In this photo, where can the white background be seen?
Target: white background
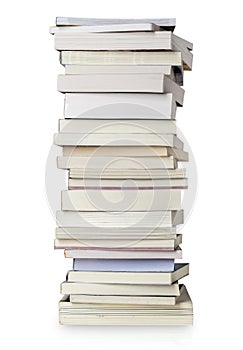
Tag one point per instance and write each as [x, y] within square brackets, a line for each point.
[211, 120]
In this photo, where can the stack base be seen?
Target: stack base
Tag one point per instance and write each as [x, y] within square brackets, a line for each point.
[180, 314]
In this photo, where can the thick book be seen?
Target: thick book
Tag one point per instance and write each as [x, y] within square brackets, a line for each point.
[116, 163]
[121, 265]
[90, 139]
[166, 58]
[119, 289]
[127, 174]
[130, 40]
[142, 83]
[120, 277]
[107, 126]
[125, 244]
[119, 106]
[74, 21]
[121, 254]
[106, 28]
[127, 219]
[119, 184]
[117, 200]
[114, 233]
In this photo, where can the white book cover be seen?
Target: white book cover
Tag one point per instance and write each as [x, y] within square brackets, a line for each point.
[162, 22]
[159, 40]
[119, 106]
[76, 69]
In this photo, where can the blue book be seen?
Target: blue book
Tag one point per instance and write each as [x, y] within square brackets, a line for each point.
[139, 265]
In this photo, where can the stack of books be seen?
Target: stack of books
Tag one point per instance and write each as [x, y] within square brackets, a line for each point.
[119, 215]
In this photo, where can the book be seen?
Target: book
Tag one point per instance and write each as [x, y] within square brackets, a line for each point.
[124, 151]
[109, 314]
[116, 163]
[129, 40]
[119, 184]
[154, 83]
[167, 58]
[127, 265]
[126, 244]
[118, 70]
[175, 73]
[121, 254]
[181, 59]
[90, 139]
[72, 21]
[117, 200]
[127, 173]
[119, 289]
[121, 277]
[123, 299]
[162, 219]
[119, 106]
[114, 27]
[109, 233]
[107, 126]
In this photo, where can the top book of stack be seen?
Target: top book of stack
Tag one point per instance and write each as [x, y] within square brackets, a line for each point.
[164, 23]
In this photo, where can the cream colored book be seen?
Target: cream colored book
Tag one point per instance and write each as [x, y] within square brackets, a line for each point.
[124, 151]
[121, 184]
[116, 163]
[119, 289]
[117, 200]
[122, 254]
[167, 58]
[133, 278]
[107, 126]
[127, 219]
[154, 83]
[127, 173]
[114, 233]
[118, 151]
[77, 139]
[122, 106]
[162, 244]
[123, 299]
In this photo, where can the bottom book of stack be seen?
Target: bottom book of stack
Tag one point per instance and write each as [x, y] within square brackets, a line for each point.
[105, 292]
